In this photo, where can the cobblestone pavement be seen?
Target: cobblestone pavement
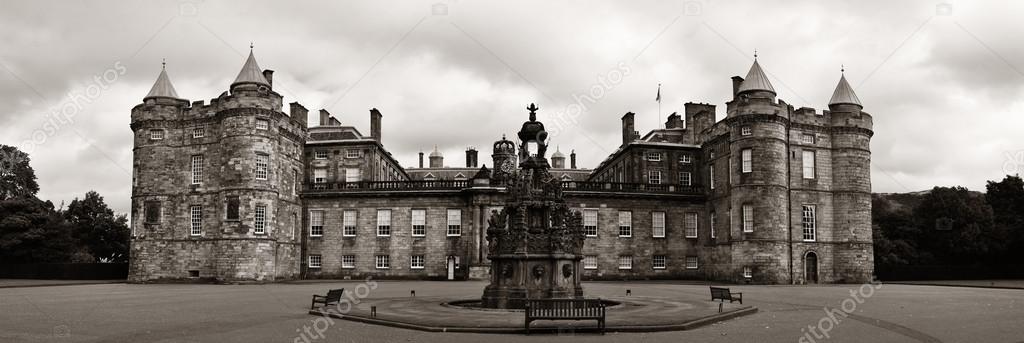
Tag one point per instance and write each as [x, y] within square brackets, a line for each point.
[278, 312]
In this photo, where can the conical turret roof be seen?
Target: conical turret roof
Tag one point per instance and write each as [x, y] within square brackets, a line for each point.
[756, 80]
[162, 87]
[844, 94]
[251, 73]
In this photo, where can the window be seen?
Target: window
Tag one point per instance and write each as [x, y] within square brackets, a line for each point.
[348, 223]
[745, 131]
[314, 261]
[808, 162]
[809, 223]
[691, 262]
[748, 272]
[152, 212]
[685, 179]
[198, 132]
[454, 222]
[691, 225]
[352, 153]
[262, 166]
[156, 134]
[320, 154]
[348, 261]
[625, 262]
[590, 262]
[416, 262]
[711, 176]
[658, 224]
[232, 212]
[685, 159]
[654, 177]
[419, 223]
[295, 183]
[316, 223]
[746, 160]
[625, 224]
[654, 156]
[262, 124]
[260, 220]
[196, 213]
[658, 262]
[197, 169]
[748, 218]
[807, 138]
[712, 226]
[383, 262]
[590, 222]
[383, 223]
[320, 175]
[352, 175]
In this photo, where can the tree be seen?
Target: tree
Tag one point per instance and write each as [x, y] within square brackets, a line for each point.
[17, 179]
[32, 232]
[99, 233]
[957, 226]
[1006, 198]
[894, 232]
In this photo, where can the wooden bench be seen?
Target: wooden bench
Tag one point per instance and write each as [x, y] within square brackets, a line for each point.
[722, 294]
[565, 309]
[333, 297]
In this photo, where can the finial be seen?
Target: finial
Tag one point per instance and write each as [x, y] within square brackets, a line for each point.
[755, 54]
[842, 68]
[503, 136]
[533, 111]
[164, 63]
[250, 46]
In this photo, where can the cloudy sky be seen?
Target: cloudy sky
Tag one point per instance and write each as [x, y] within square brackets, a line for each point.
[942, 79]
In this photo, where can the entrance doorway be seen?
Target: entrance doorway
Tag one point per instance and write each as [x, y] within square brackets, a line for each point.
[452, 266]
[811, 267]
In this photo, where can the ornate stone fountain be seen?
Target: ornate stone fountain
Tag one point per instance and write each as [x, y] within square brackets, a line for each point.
[535, 244]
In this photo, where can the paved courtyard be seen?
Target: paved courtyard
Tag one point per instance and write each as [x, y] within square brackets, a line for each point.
[278, 312]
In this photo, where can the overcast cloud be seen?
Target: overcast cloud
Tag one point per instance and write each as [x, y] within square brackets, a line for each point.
[943, 80]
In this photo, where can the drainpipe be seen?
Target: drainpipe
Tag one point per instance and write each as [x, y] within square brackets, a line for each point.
[789, 202]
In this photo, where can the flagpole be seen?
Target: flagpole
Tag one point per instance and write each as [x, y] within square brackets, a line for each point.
[658, 119]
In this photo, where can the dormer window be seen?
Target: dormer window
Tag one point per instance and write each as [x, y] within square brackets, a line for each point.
[156, 135]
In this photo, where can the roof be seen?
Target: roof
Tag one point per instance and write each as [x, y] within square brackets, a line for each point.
[756, 80]
[251, 73]
[162, 87]
[844, 94]
[436, 153]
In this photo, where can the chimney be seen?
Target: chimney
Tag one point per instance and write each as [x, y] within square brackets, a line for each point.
[325, 117]
[421, 159]
[471, 157]
[299, 113]
[334, 121]
[674, 121]
[269, 75]
[572, 159]
[375, 117]
[627, 128]
[736, 81]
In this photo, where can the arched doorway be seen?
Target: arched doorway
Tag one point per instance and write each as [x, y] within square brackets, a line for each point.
[811, 267]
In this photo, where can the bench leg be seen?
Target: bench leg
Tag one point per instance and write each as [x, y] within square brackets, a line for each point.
[720, 307]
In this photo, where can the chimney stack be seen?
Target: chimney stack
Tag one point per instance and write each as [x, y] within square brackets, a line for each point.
[628, 132]
[298, 113]
[421, 159]
[675, 121]
[335, 122]
[375, 117]
[269, 75]
[572, 159]
[325, 117]
[471, 157]
[736, 81]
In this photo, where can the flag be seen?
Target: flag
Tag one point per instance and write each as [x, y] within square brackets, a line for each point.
[658, 98]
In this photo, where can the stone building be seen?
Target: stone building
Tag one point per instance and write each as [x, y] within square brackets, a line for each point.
[239, 190]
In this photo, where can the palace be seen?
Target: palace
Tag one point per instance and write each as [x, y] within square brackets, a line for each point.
[239, 190]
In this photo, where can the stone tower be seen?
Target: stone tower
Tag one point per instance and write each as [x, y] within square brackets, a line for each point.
[216, 192]
[504, 158]
[558, 159]
[535, 243]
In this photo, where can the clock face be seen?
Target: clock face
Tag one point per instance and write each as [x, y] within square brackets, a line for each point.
[508, 166]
